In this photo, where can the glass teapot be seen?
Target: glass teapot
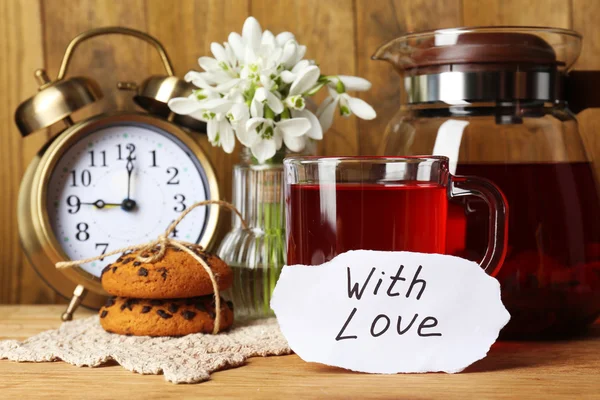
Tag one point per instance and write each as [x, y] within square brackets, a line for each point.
[494, 100]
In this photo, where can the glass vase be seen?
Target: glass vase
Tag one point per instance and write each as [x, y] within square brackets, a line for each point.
[256, 254]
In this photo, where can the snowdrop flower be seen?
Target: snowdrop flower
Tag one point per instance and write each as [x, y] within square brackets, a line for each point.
[304, 81]
[255, 88]
[238, 116]
[212, 111]
[201, 80]
[265, 136]
[261, 97]
[220, 132]
[289, 76]
[348, 105]
[316, 131]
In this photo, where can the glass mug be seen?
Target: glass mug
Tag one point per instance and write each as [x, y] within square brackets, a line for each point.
[336, 204]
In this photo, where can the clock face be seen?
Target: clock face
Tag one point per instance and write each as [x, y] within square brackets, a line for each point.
[122, 185]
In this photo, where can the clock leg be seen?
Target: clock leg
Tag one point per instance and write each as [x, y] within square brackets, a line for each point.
[78, 296]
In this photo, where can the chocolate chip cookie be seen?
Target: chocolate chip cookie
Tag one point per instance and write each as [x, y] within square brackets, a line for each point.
[168, 317]
[176, 275]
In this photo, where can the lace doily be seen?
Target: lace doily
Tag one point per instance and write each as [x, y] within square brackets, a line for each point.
[187, 359]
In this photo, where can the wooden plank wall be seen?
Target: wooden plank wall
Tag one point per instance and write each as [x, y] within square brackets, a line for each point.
[340, 34]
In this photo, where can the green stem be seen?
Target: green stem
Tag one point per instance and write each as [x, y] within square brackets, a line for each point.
[274, 248]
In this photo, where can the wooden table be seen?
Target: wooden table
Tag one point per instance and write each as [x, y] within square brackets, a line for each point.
[569, 369]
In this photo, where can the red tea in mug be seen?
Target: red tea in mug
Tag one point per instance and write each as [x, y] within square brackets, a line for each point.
[337, 204]
[328, 219]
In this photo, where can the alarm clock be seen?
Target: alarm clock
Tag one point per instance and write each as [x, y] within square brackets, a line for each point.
[109, 181]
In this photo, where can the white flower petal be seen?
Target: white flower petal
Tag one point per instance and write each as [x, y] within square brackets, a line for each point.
[197, 79]
[231, 59]
[227, 86]
[237, 44]
[261, 94]
[288, 77]
[252, 33]
[199, 115]
[274, 103]
[208, 63]
[289, 53]
[360, 108]
[326, 111]
[278, 137]
[299, 54]
[236, 95]
[212, 128]
[249, 55]
[246, 137]
[271, 57]
[295, 144]
[300, 66]
[219, 76]
[218, 51]
[253, 123]
[283, 38]
[239, 112]
[325, 104]
[355, 83]
[263, 150]
[268, 39]
[184, 105]
[217, 105]
[315, 131]
[266, 81]
[257, 109]
[227, 138]
[305, 80]
[293, 127]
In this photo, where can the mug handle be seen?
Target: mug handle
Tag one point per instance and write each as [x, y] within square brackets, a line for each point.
[460, 186]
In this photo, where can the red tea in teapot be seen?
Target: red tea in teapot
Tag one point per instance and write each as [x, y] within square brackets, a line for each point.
[329, 219]
[553, 258]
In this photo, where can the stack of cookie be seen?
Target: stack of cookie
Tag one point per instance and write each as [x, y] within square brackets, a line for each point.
[171, 297]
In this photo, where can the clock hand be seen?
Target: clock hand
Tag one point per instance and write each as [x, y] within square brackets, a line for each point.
[102, 204]
[129, 204]
[129, 167]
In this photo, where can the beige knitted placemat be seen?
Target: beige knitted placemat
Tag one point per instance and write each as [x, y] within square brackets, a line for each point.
[187, 359]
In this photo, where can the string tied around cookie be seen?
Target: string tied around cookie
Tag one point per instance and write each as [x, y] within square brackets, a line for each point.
[162, 242]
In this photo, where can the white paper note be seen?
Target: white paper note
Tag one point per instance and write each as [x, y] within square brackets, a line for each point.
[390, 312]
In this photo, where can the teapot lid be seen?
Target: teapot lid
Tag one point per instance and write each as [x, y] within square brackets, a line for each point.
[483, 64]
[485, 48]
[500, 45]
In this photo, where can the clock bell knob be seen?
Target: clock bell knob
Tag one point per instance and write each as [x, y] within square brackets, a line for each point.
[42, 78]
[55, 101]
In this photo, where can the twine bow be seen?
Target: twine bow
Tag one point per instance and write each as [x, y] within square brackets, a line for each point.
[162, 242]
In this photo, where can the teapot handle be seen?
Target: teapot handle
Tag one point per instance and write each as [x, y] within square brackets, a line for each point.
[112, 30]
[582, 90]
